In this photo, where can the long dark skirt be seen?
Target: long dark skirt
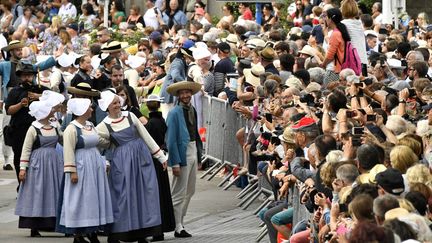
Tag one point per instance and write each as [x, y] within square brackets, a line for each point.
[165, 200]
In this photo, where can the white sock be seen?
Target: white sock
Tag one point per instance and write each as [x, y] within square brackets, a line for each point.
[179, 228]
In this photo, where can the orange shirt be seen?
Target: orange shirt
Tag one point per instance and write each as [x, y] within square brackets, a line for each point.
[336, 47]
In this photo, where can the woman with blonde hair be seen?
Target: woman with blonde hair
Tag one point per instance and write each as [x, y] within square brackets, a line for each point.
[402, 157]
[419, 173]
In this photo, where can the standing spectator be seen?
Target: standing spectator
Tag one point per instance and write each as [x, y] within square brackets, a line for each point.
[176, 73]
[184, 146]
[227, 11]
[200, 17]
[377, 13]
[153, 16]
[350, 13]
[117, 13]
[268, 17]
[297, 16]
[87, 19]
[224, 66]
[135, 16]
[244, 10]
[17, 9]
[7, 16]
[173, 15]
[67, 12]
[26, 20]
[338, 38]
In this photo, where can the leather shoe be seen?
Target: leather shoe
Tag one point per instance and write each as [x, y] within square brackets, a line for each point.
[35, 233]
[158, 238]
[7, 167]
[182, 234]
[79, 239]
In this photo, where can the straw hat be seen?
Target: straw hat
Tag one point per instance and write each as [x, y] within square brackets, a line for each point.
[255, 42]
[252, 75]
[287, 136]
[83, 89]
[231, 39]
[15, 44]
[308, 50]
[192, 86]
[113, 46]
[268, 54]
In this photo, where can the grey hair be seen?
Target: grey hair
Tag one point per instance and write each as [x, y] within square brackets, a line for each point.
[384, 203]
[417, 55]
[316, 74]
[345, 73]
[293, 46]
[347, 173]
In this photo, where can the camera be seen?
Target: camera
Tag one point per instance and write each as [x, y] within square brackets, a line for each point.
[269, 117]
[358, 131]
[412, 92]
[369, 81]
[370, 118]
[145, 73]
[308, 99]
[350, 114]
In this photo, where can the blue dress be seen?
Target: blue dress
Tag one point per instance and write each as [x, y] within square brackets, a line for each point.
[86, 206]
[38, 195]
[134, 187]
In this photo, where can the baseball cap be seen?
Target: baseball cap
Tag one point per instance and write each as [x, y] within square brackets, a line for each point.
[305, 123]
[391, 181]
[224, 47]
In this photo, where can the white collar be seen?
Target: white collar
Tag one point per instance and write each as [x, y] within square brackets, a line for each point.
[39, 125]
[79, 125]
[109, 120]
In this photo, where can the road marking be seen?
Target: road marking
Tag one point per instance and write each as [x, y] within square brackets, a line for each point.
[8, 216]
[4, 182]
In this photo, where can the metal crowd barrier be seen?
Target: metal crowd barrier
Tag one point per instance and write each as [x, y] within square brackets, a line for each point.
[221, 147]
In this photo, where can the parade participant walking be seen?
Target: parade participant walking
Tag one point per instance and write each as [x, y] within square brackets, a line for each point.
[40, 170]
[17, 107]
[134, 188]
[184, 146]
[86, 201]
[156, 126]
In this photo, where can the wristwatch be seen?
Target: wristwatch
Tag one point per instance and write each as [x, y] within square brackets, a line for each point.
[402, 101]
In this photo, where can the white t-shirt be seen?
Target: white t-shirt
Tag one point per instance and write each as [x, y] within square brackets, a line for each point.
[379, 19]
[67, 11]
[150, 18]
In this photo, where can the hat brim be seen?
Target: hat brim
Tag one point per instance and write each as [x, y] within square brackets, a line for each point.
[77, 91]
[281, 137]
[250, 78]
[184, 85]
[12, 47]
[184, 52]
[19, 72]
[266, 58]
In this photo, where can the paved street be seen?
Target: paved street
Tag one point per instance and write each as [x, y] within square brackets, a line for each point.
[212, 217]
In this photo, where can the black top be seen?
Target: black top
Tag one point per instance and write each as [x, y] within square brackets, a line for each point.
[82, 77]
[191, 126]
[157, 128]
[21, 119]
[271, 68]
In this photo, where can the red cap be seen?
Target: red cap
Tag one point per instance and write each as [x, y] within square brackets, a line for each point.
[303, 123]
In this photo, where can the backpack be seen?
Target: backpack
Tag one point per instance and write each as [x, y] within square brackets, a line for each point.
[351, 59]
